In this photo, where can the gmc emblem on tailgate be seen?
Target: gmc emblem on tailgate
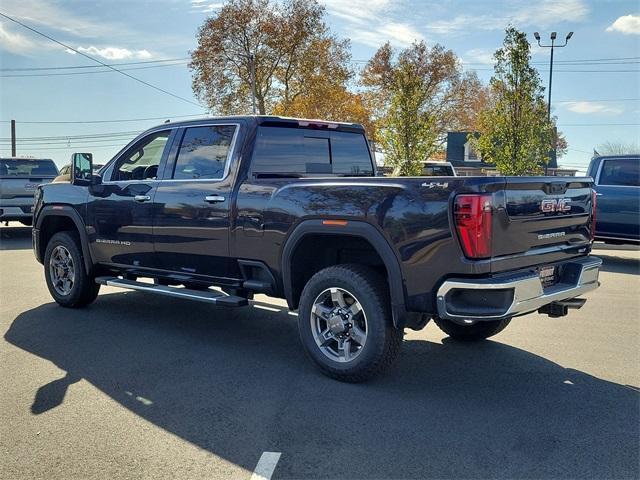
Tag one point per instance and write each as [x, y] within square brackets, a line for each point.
[550, 205]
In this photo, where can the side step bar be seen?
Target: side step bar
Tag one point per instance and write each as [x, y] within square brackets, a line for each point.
[216, 298]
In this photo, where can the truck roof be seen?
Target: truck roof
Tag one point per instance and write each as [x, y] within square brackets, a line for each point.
[269, 120]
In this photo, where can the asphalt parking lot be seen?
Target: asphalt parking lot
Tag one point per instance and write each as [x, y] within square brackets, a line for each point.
[140, 386]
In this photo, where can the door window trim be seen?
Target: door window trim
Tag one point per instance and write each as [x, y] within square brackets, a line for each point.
[109, 168]
[601, 166]
[171, 162]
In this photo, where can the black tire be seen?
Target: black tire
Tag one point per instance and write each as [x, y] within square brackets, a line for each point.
[474, 332]
[84, 290]
[383, 340]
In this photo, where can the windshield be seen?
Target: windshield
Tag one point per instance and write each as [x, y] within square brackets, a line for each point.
[16, 167]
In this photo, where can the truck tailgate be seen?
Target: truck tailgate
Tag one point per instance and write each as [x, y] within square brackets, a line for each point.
[541, 219]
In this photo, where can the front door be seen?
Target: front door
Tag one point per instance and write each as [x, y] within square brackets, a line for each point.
[191, 226]
[120, 210]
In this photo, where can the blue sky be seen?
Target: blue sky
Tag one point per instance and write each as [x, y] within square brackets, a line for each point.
[594, 102]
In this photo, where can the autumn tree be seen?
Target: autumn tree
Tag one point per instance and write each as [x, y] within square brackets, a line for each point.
[300, 68]
[419, 94]
[515, 134]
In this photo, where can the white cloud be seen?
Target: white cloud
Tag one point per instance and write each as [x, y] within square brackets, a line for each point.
[587, 108]
[479, 55]
[370, 22]
[357, 11]
[629, 24]
[399, 34]
[542, 14]
[114, 53]
[14, 42]
[36, 12]
[549, 12]
[205, 6]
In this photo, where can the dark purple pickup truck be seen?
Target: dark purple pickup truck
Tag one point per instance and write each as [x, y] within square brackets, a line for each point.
[294, 209]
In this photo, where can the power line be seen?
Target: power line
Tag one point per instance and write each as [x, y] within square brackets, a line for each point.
[600, 125]
[95, 147]
[89, 135]
[22, 75]
[98, 61]
[166, 117]
[600, 100]
[574, 61]
[73, 67]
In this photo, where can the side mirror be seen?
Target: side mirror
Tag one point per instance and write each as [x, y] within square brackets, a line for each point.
[81, 168]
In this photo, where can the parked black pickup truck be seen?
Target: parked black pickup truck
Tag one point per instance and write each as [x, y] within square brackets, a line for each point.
[293, 209]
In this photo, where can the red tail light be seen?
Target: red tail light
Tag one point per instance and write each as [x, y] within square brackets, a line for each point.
[472, 214]
[593, 214]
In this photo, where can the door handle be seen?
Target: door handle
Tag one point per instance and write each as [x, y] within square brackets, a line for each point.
[142, 198]
[214, 198]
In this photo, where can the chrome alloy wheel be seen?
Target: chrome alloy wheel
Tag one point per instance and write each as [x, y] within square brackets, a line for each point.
[62, 270]
[339, 324]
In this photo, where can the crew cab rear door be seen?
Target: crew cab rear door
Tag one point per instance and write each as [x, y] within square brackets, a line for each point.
[192, 203]
[541, 219]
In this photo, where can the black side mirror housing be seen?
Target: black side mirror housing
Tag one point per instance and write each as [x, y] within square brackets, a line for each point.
[82, 169]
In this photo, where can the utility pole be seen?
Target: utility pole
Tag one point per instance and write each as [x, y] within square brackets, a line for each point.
[253, 82]
[13, 138]
[552, 46]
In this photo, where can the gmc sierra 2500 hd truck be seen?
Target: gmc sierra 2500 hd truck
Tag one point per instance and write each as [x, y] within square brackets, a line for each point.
[293, 209]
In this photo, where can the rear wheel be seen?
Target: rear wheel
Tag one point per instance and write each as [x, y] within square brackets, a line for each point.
[345, 323]
[67, 279]
[473, 331]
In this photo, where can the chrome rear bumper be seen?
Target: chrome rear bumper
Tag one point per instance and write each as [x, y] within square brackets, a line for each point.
[514, 294]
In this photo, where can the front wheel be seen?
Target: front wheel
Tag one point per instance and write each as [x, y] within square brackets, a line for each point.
[64, 270]
[474, 331]
[345, 324]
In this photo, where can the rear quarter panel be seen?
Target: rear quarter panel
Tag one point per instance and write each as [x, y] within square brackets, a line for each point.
[413, 215]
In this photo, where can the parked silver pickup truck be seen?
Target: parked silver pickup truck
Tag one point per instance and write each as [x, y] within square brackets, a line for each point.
[19, 178]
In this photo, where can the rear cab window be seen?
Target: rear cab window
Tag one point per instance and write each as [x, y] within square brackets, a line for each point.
[621, 172]
[23, 168]
[303, 152]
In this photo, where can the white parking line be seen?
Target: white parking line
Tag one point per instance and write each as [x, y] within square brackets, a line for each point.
[266, 466]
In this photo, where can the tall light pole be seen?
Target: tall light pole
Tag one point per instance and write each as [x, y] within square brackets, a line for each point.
[551, 46]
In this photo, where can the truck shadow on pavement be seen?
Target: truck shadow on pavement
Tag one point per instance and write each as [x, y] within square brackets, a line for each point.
[614, 264]
[15, 238]
[236, 382]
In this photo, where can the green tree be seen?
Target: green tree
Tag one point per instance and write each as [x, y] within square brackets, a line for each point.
[283, 39]
[418, 94]
[515, 134]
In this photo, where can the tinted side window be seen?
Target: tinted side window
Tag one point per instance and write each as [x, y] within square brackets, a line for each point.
[204, 152]
[299, 151]
[437, 171]
[624, 172]
[141, 162]
[350, 154]
[287, 151]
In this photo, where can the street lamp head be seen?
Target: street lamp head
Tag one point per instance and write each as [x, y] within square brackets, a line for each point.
[536, 36]
[569, 35]
[553, 35]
